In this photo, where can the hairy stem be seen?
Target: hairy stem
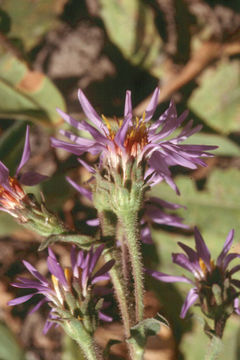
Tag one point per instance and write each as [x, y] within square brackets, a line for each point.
[129, 220]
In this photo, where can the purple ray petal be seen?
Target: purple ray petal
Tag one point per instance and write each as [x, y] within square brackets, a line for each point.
[93, 222]
[226, 247]
[236, 306]
[80, 189]
[236, 282]
[121, 133]
[20, 299]
[168, 278]
[87, 166]
[228, 259]
[69, 119]
[103, 270]
[38, 305]
[165, 204]
[4, 177]
[55, 268]
[191, 298]
[35, 273]
[202, 248]
[32, 178]
[146, 236]
[182, 260]
[96, 257]
[90, 112]
[234, 269]
[152, 105]
[128, 104]
[192, 255]
[104, 317]
[26, 152]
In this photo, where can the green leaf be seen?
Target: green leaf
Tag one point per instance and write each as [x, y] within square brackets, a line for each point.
[217, 98]
[31, 19]
[26, 94]
[9, 347]
[142, 44]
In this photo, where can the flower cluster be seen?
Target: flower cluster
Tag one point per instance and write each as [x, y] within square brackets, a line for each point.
[214, 287]
[136, 138]
[72, 292]
[12, 196]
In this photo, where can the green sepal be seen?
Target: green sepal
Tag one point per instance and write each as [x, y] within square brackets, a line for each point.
[83, 241]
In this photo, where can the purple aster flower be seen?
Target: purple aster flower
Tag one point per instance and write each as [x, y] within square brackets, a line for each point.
[11, 192]
[136, 138]
[214, 286]
[69, 288]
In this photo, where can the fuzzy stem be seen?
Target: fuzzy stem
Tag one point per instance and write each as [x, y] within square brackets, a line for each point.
[130, 223]
[120, 292]
[89, 349]
[75, 329]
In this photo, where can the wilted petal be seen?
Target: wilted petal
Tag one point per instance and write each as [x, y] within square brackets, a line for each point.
[226, 247]
[191, 298]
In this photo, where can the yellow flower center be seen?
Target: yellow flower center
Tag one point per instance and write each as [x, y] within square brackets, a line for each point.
[136, 138]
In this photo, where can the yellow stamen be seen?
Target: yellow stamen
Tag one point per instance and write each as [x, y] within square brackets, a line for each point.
[68, 274]
[137, 121]
[212, 264]
[107, 122]
[144, 115]
[202, 265]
